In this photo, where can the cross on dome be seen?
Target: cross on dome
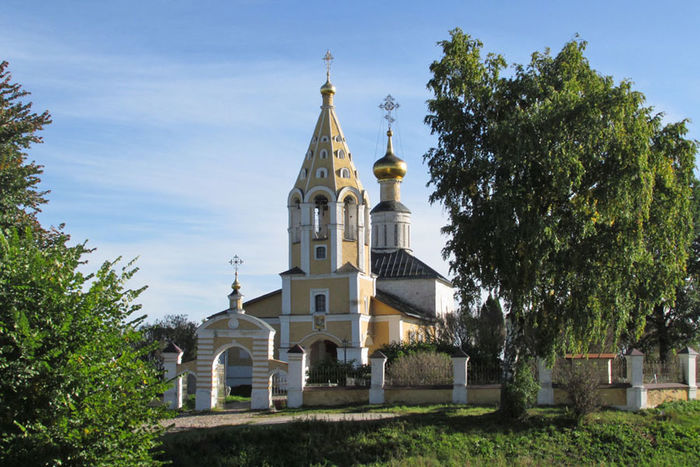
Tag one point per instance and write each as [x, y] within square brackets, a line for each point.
[236, 261]
[328, 58]
[389, 105]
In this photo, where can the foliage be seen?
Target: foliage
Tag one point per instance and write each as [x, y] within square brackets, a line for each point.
[172, 328]
[420, 369]
[73, 388]
[521, 392]
[20, 198]
[567, 198]
[396, 350]
[581, 382]
[448, 435]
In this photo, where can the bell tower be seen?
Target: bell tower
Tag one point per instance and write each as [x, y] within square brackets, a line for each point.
[327, 290]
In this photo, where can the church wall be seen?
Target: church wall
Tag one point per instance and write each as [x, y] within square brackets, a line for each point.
[380, 335]
[419, 292]
[381, 309]
[298, 331]
[268, 307]
[411, 330]
[349, 253]
[338, 295]
[366, 291]
[444, 298]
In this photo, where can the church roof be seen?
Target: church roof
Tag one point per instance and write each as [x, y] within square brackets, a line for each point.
[400, 264]
[403, 306]
[293, 271]
[391, 205]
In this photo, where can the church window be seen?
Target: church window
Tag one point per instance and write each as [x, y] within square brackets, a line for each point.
[408, 236]
[340, 153]
[321, 173]
[350, 155]
[320, 303]
[344, 173]
[295, 212]
[309, 154]
[320, 252]
[315, 139]
[385, 242]
[324, 139]
[350, 218]
[302, 175]
[396, 234]
[338, 138]
[323, 154]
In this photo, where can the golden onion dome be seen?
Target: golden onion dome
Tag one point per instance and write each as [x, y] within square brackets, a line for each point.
[328, 88]
[390, 166]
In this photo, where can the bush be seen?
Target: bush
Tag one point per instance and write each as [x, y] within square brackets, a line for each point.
[397, 350]
[331, 371]
[421, 369]
[521, 393]
[581, 384]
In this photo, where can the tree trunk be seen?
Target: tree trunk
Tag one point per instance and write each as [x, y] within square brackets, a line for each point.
[662, 335]
[511, 354]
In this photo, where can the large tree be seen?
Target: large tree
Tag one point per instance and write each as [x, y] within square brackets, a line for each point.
[567, 197]
[74, 389]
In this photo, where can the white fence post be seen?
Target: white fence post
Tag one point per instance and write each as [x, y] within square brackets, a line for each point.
[637, 394]
[460, 361]
[172, 357]
[376, 389]
[687, 357]
[296, 377]
[545, 395]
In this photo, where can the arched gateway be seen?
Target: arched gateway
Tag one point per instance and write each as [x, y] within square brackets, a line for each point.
[230, 328]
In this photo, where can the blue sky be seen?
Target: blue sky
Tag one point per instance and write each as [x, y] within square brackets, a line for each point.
[179, 126]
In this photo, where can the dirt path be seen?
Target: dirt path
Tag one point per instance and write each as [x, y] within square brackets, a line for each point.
[239, 414]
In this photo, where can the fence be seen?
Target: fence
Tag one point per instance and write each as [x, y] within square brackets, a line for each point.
[656, 371]
[484, 373]
[279, 384]
[345, 376]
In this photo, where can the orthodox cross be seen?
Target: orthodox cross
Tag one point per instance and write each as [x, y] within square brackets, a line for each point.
[389, 105]
[328, 58]
[236, 261]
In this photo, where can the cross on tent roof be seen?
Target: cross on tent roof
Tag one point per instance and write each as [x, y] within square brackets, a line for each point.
[236, 261]
[328, 58]
[389, 105]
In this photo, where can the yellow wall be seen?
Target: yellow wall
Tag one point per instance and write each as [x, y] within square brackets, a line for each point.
[659, 396]
[378, 308]
[417, 396]
[337, 289]
[242, 324]
[484, 395]
[411, 327]
[366, 290]
[298, 331]
[380, 335]
[334, 396]
[268, 307]
[349, 253]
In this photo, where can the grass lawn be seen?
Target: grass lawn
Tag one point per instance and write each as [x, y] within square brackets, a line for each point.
[452, 435]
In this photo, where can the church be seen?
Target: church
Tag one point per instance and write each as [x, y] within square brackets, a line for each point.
[353, 283]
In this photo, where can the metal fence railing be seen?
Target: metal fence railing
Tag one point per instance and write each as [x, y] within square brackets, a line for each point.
[656, 371]
[339, 376]
[480, 373]
[279, 384]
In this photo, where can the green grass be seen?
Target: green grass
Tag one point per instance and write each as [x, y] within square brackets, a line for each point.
[453, 435]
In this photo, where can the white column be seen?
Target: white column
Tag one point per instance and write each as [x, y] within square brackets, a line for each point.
[296, 376]
[687, 357]
[545, 396]
[459, 370]
[376, 390]
[637, 394]
[172, 357]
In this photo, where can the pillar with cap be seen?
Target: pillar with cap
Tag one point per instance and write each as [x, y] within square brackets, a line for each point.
[687, 357]
[376, 389]
[460, 361]
[296, 379]
[172, 357]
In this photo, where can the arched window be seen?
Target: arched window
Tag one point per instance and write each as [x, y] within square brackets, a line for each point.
[320, 303]
[310, 154]
[320, 219]
[396, 234]
[324, 139]
[302, 175]
[340, 154]
[323, 154]
[321, 173]
[350, 218]
[385, 242]
[344, 173]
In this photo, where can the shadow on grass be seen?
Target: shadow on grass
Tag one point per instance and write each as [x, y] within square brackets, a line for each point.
[443, 432]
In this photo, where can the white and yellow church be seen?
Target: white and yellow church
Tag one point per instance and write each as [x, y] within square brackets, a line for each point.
[353, 283]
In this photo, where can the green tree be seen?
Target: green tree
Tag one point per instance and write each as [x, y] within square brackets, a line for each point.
[490, 330]
[172, 328]
[20, 198]
[551, 180]
[75, 389]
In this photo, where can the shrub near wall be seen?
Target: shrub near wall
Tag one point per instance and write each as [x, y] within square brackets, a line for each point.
[420, 369]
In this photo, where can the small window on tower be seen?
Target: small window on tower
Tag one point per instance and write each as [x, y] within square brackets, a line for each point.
[323, 154]
[324, 139]
[302, 175]
[309, 154]
[320, 252]
[321, 173]
[338, 138]
[340, 153]
[344, 173]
